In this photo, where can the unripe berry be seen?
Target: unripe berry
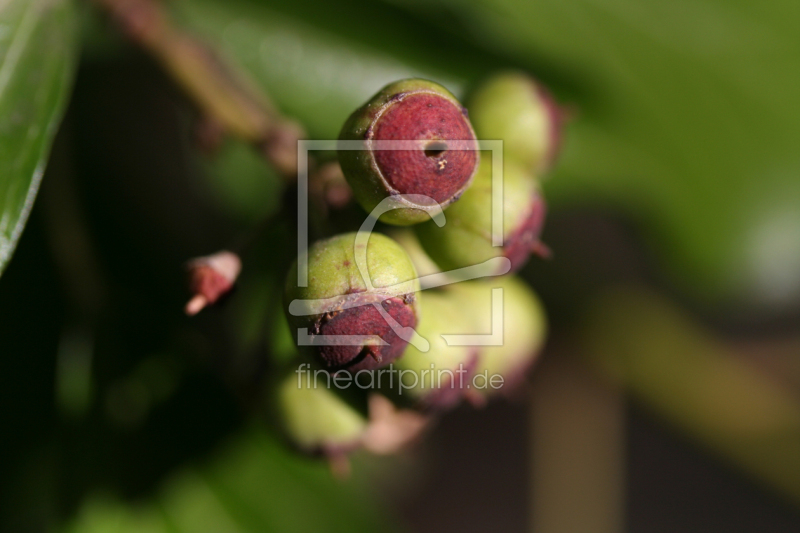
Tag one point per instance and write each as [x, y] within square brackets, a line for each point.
[524, 327]
[339, 301]
[406, 238]
[319, 420]
[441, 376]
[315, 418]
[514, 107]
[438, 167]
[466, 237]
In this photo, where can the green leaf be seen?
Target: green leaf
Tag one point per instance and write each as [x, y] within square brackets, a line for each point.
[37, 61]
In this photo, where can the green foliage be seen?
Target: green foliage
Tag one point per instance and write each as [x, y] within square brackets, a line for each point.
[255, 485]
[38, 45]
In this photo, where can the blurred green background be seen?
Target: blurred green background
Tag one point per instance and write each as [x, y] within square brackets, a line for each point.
[668, 398]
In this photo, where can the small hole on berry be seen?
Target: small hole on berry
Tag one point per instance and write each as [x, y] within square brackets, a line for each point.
[435, 148]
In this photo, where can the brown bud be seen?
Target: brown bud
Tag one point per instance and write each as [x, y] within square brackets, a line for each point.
[211, 278]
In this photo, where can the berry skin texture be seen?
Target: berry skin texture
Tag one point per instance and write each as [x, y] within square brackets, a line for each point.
[524, 328]
[440, 377]
[338, 301]
[466, 237]
[410, 110]
[514, 107]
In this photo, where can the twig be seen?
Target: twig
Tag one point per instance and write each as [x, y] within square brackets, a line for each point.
[225, 94]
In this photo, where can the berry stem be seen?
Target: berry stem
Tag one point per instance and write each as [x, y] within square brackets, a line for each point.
[542, 250]
[196, 304]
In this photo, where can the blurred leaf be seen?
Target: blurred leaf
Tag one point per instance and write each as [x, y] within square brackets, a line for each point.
[262, 480]
[38, 47]
[255, 485]
[102, 514]
[697, 384]
[319, 75]
[688, 122]
[240, 182]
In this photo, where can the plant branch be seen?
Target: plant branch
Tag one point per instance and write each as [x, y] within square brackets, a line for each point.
[224, 94]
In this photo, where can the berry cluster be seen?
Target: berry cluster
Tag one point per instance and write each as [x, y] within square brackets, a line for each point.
[376, 353]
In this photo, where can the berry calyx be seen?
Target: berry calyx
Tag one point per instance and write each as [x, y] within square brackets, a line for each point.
[436, 167]
[359, 285]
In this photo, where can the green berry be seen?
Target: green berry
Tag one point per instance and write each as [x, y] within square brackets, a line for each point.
[424, 265]
[515, 108]
[339, 301]
[409, 110]
[440, 376]
[466, 237]
[315, 418]
[524, 328]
